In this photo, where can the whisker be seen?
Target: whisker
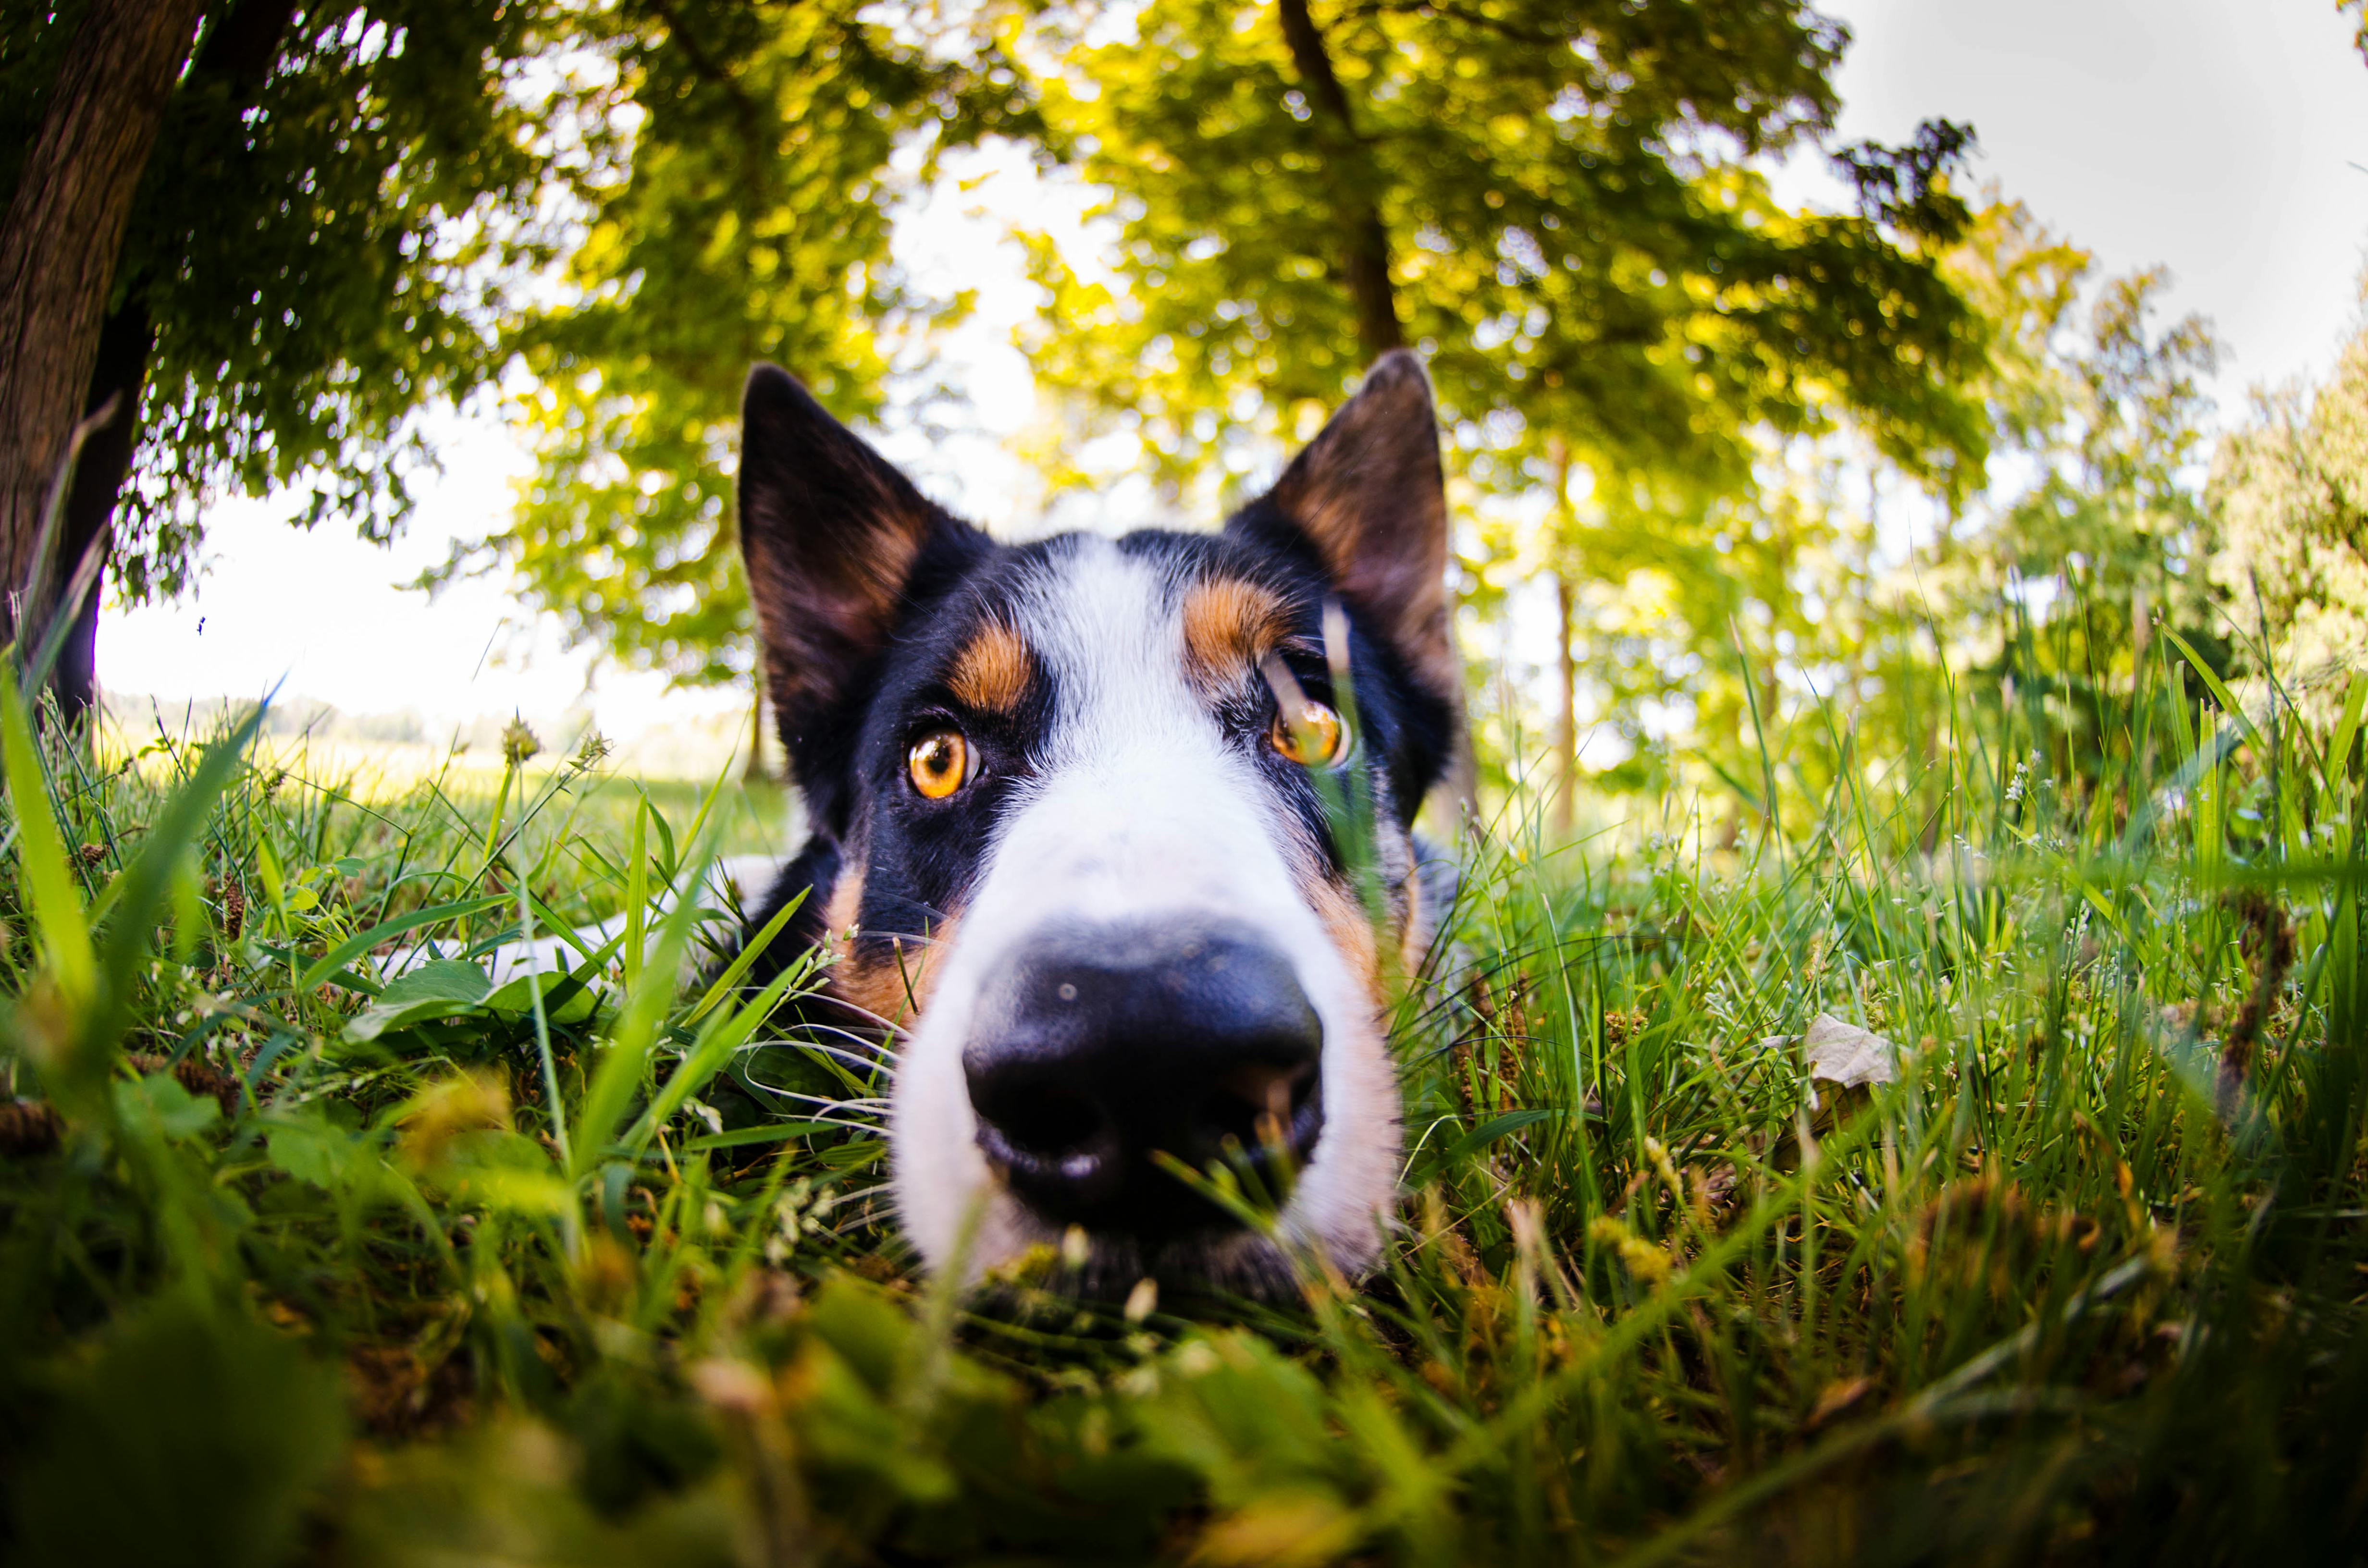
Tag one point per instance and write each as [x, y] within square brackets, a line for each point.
[873, 1061]
[870, 1016]
[864, 1103]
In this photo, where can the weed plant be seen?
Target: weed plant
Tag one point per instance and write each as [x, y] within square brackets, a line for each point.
[321, 1241]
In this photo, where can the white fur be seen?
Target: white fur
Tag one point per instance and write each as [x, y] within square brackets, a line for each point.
[1139, 809]
[741, 879]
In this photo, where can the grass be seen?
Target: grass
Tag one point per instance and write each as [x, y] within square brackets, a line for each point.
[298, 1264]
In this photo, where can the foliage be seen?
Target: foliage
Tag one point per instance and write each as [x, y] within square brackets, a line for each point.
[2117, 502]
[1645, 358]
[602, 1284]
[1577, 231]
[315, 246]
[738, 211]
[2287, 494]
[1832, 579]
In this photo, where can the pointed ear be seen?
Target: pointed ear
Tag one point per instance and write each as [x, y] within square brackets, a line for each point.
[1367, 499]
[833, 538]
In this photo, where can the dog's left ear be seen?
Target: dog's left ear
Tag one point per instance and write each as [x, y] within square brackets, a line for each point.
[1368, 499]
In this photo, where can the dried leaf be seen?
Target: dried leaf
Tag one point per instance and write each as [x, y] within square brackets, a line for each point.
[1845, 1054]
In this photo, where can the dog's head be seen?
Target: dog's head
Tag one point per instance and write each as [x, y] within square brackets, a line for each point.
[1057, 796]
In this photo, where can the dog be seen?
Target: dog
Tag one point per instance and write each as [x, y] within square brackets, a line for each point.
[1067, 806]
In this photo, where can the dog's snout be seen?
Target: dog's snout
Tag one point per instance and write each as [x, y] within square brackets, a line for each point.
[1101, 1048]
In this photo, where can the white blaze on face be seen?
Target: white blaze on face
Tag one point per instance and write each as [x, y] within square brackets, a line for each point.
[1139, 811]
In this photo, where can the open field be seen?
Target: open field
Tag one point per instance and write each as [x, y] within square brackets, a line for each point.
[302, 1266]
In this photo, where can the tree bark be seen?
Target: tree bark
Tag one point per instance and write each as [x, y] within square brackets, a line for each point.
[61, 239]
[1356, 187]
[120, 371]
[234, 61]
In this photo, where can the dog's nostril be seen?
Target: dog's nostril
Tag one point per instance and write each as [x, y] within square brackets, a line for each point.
[1257, 1105]
[1049, 1123]
[1107, 1056]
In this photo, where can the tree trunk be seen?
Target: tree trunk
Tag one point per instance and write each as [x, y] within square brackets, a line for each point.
[61, 241]
[1566, 799]
[756, 772]
[1564, 524]
[234, 61]
[1356, 189]
[120, 372]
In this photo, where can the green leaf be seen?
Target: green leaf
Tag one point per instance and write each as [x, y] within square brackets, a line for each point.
[517, 997]
[158, 1102]
[626, 1057]
[724, 1033]
[750, 951]
[2213, 684]
[1488, 1132]
[441, 988]
[337, 957]
[144, 890]
[316, 1150]
[43, 877]
[2347, 730]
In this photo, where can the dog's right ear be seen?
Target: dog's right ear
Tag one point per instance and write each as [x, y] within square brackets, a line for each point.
[833, 536]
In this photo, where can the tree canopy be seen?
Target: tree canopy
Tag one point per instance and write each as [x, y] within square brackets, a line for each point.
[739, 211]
[334, 195]
[2290, 494]
[1565, 207]
[1694, 406]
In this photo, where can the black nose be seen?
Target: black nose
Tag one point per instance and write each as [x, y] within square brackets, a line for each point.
[1105, 1045]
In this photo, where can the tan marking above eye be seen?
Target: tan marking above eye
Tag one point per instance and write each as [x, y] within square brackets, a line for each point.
[938, 764]
[1229, 626]
[990, 675]
[1317, 740]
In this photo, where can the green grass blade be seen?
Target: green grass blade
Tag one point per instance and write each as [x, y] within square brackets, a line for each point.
[47, 883]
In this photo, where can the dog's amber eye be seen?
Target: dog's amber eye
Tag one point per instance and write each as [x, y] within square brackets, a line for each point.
[939, 763]
[1315, 741]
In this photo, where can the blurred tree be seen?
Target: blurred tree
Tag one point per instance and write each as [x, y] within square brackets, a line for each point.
[309, 258]
[2289, 493]
[1564, 206]
[2103, 423]
[740, 214]
[2119, 506]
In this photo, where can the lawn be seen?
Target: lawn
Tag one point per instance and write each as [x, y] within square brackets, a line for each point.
[302, 1264]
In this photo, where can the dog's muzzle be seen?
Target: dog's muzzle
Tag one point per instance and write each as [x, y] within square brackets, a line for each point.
[1102, 1046]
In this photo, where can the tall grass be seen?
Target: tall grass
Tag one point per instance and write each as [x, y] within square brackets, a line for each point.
[308, 1261]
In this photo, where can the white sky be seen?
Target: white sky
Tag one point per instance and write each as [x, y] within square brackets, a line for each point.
[2217, 137]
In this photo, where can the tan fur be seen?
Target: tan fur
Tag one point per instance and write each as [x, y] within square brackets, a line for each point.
[1351, 932]
[1414, 931]
[991, 674]
[846, 903]
[888, 989]
[1229, 627]
[896, 986]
